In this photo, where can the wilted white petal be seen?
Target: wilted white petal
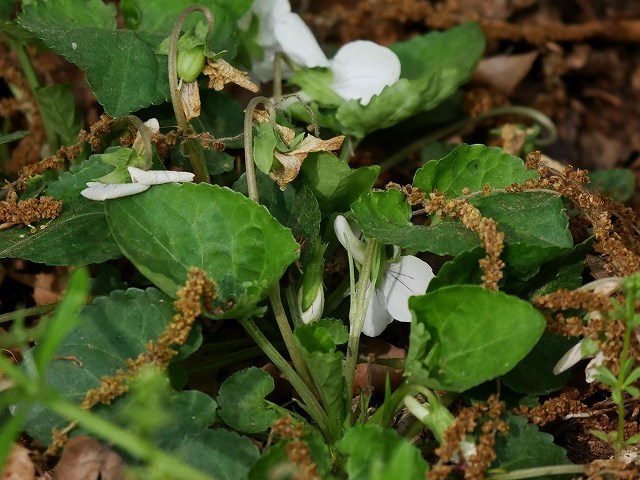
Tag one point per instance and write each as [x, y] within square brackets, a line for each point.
[377, 317]
[153, 125]
[570, 358]
[106, 191]
[158, 177]
[592, 367]
[361, 69]
[297, 41]
[348, 239]
[315, 310]
[402, 279]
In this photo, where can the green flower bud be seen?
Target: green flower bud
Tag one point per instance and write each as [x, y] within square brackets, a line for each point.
[190, 63]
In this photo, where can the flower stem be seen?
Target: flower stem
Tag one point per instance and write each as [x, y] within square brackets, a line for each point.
[277, 77]
[195, 154]
[248, 142]
[315, 410]
[357, 314]
[28, 312]
[287, 335]
[447, 130]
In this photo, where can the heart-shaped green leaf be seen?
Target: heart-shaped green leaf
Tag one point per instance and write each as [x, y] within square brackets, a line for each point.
[170, 228]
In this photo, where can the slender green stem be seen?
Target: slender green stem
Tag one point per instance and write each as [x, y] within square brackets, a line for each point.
[311, 402]
[287, 335]
[624, 355]
[249, 166]
[28, 312]
[196, 156]
[162, 463]
[447, 130]
[357, 314]
[348, 147]
[537, 472]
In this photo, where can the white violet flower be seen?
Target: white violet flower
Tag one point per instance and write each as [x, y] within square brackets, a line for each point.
[579, 352]
[361, 69]
[401, 278]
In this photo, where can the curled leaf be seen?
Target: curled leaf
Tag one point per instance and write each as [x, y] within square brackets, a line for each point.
[105, 191]
[291, 162]
[221, 72]
[158, 177]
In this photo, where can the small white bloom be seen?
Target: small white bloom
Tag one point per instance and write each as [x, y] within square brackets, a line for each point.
[577, 353]
[314, 312]
[361, 69]
[154, 128]
[401, 279]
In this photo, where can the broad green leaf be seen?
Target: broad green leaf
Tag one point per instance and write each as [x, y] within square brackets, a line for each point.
[295, 208]
[463, 335]
[272, 460]
[13, 136]
[533, 235]
[222, 454]
[65, 319]
[617, 183]
[385, 216]
[101, 345]
[242, 401]
[334, 183]
[79, 236]
[374, 453]
[121, 66]
[169, 228]
[526, 447]
[326, 364]
[534, 375]
[58, 110]
[471, 166]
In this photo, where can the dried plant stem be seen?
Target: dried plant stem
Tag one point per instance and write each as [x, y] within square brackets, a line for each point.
[144, 133]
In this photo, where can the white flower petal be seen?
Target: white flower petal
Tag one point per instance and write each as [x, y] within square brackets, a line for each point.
[361, 69]
[105, 191]
[405, 278]
[592, 367]
[297, 41]
[158, 177]
[153, 125]
[348, 239]
[570, 358]
[377, 317]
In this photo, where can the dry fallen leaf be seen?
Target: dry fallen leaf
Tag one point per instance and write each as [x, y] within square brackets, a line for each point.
[291, 162]
[504, 72]
[286, 134]
[84, 458]
[19, 465]
[220, 73]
